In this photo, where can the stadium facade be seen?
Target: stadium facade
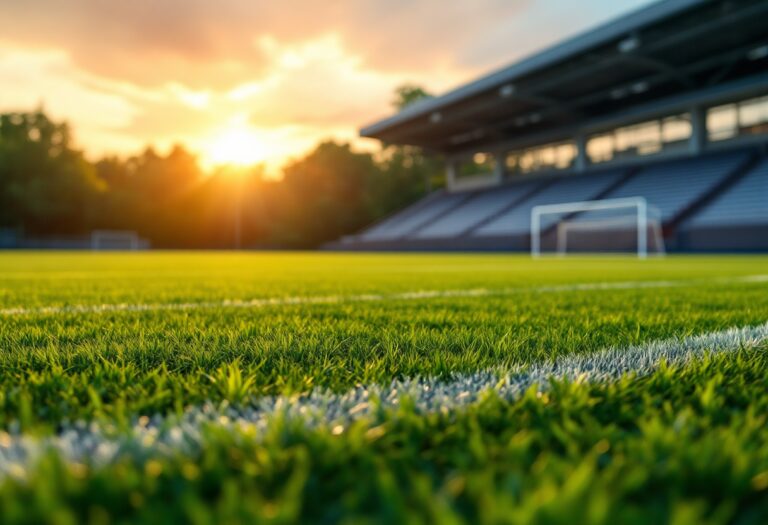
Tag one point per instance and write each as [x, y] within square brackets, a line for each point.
[669, 103]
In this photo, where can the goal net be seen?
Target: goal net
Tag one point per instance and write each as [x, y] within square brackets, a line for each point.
[116, 240]
[627, 225]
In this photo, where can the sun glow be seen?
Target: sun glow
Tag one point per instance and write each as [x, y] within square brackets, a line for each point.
[238, 146]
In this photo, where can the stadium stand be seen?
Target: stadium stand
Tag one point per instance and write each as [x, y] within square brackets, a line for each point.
[380, 229]
[746, 203]
[736, 219]
[673, 186]
[517, 221]
[402, 225]
[480, 207]
[648, 105]
[456, 220]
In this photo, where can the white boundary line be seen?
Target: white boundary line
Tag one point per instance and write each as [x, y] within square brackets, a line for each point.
[404, 296]
[160, 436]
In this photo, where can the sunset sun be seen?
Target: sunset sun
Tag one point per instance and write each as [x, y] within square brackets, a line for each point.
[237, 146]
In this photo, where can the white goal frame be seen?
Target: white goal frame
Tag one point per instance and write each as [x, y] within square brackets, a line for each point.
[99, 237]
[639, 204]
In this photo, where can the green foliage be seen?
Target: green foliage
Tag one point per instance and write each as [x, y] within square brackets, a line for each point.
[325, 195]
[161, 197]
[47, 188]
[410, 172]
[334, 191]
[407, 94]
[45, 184]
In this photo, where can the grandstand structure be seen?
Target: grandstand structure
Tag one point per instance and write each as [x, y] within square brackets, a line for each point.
[668, 103]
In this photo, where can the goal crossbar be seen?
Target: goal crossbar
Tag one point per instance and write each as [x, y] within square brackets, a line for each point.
[639, 204]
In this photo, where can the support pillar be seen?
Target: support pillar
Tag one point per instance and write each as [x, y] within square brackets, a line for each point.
[581, 161]
[698, 140]
[499, 167]
[451, 173]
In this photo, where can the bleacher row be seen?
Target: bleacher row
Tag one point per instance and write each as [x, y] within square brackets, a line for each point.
[717, 201]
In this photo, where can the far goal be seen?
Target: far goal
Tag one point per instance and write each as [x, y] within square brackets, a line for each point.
[627, 225]
[116, 240]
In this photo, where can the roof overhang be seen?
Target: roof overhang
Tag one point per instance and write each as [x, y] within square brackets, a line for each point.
[665, 51]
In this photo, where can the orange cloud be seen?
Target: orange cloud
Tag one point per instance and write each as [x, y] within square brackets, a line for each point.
[288, 73]
[201, 43]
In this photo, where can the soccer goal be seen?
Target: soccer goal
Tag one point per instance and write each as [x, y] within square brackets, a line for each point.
[627, 225]
[116, 240]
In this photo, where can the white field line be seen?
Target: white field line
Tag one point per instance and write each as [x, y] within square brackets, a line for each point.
[406, 296]
[97, 445]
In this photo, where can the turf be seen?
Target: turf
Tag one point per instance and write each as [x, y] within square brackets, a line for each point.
[685, 444]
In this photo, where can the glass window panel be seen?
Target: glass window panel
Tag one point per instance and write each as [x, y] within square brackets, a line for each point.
[600, 148]
[675, 129]
[722, 122]
[565, 155]
[479, 164]
[527, 161]
[547, 156]
[753, 112]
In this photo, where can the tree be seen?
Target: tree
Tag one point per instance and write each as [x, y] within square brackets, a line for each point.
[407, 176]
[407, 94]
[414, 172]
[151, 193]
[46, 186]
[325, 195]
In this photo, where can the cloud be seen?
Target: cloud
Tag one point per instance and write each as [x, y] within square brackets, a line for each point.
[34, 78]
[210, 44]
[143, 42]
[306, 92]
[295, 71]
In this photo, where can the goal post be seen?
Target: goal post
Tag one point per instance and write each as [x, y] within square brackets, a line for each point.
[597, 218]
[116, 240]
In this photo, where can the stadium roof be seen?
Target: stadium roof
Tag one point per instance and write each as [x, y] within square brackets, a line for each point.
[661, 52]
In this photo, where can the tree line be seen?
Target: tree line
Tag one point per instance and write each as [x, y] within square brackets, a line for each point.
[48, 188]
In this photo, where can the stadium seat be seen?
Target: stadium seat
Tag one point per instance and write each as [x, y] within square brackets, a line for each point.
[460, 219]
[671, 187]
[477, 209]
[518, 219]
[745, 203]
[407, 221]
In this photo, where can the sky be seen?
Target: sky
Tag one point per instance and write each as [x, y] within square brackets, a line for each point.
[257, 81]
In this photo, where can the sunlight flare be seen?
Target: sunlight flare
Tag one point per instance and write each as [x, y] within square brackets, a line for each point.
[239, 146]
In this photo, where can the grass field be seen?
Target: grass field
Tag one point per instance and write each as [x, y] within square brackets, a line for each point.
[338, 388]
